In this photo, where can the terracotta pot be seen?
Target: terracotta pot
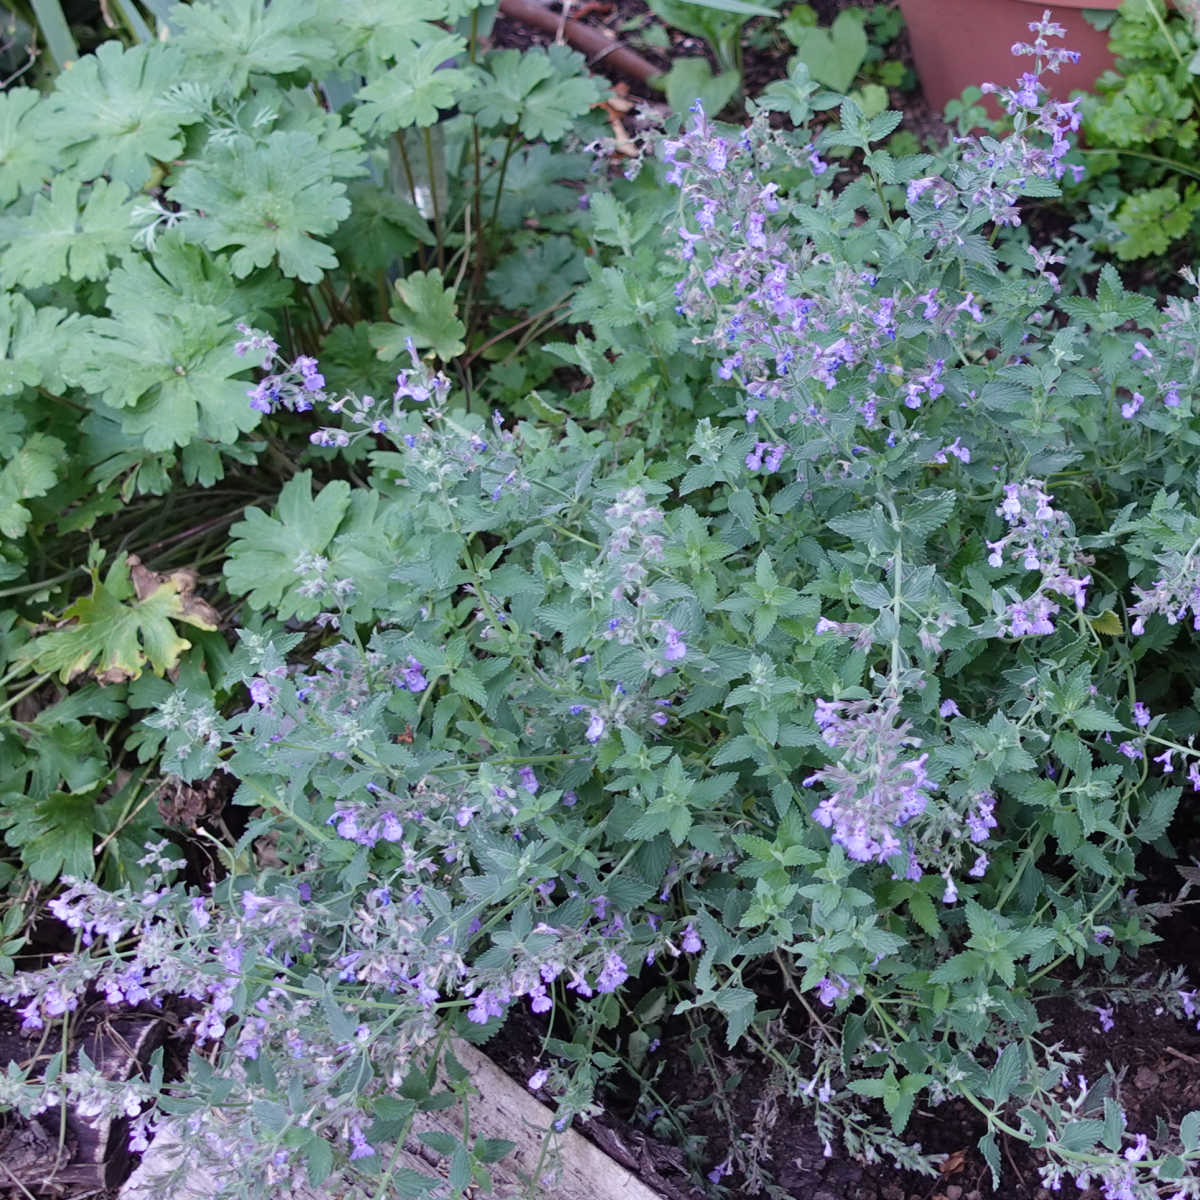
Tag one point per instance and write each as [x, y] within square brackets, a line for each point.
[962, 43]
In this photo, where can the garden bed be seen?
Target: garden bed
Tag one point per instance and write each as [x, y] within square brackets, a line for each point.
[739, 672]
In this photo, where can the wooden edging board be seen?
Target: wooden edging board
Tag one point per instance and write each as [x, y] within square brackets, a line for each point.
[571, 1167]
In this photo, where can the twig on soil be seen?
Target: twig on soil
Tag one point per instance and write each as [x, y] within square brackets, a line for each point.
[595, 44]
[1180, 1054]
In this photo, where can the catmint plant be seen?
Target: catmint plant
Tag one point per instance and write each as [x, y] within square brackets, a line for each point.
[845, 685]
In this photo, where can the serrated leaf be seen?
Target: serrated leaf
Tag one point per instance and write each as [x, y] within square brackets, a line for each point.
[991, 1155]
[54, 834]
[123, 626]
[66, 234]
[28, 148]
[1006, 1074]
[427, 313]
[1107, 623]
[538, 274]
[922, 911]
[31, 472]
[168, 374]
[738, 1005]
[233, 39]
[264, 551]
[33, 345]
[1155, 814]
[268, 199]
[1096, 720]
[415, 89]
[109, 107]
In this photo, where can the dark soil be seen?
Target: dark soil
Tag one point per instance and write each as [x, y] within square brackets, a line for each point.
[1154, 1057]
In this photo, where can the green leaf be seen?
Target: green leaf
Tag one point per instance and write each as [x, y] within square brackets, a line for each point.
[499, 97]
[56, 238]
[124, 625]
[31, 472]
[381, 229]
[1152, 218]
[29, 148]
[991, 1155]
[741, 7]
[1114, 1125]
[1006, 1074]
[168, 373]
[1080, 1135]
[415, 89]
[181, 273]
[691, 79]
[110, 108]
[427, 313]
[34, 343]
[230, 40]
[1189, 1131]
[1155, 814]
[318, 1155]
[738, 1005]
[1107, 623]
[265, 552]
[54, 833]
[554, 106]
[834, 57]
[267, 198]
[537, 274]
[388, 28]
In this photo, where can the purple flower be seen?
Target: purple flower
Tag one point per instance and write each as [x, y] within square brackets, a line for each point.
[720, 1171]
[828, 990]
[819, 167]
[360, 1147]
[690, 941]
[1137, 1151]
[529, 781]
[414, 678]
[873, 790]
[1141, 714]
[537, 1080]
[487, 1006]
[674, 647]
[1106, 1019]
[595, 729]
[1128, 410]
[948, 708]
[980, 819]
[613, 974]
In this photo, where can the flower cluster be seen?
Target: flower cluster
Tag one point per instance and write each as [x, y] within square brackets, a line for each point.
[294, 386]
[1174, 594]
[873, 790]
[1041, 538]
